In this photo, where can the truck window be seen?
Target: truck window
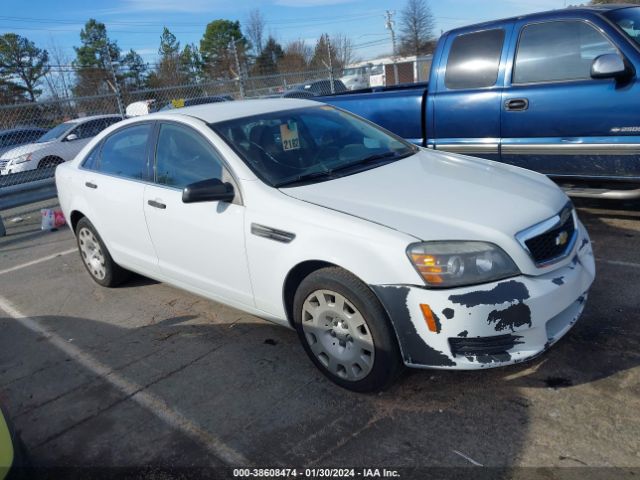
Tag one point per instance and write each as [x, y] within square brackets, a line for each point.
[628, 20]
[558, 51]
[474, 60]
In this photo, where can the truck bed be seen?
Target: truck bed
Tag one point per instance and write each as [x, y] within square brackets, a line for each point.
[399, 109]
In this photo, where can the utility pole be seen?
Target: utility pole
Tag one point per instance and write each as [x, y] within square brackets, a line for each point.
[331, 81]
[116, 85]
[389, 25]
[234, 48]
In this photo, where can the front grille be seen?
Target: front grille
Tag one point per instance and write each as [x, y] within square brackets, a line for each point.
[479, 346]
[553, 243]
[3, 163]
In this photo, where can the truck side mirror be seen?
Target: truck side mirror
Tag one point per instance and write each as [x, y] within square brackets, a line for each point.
[609, 65]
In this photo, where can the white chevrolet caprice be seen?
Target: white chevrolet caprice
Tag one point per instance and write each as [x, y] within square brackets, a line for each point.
[378, 253]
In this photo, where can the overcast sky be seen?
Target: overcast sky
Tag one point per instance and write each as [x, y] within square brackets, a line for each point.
[137, 24]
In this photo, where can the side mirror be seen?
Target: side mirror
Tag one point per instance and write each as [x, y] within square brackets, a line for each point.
[609, 65]
[211, 190]
[71, 137]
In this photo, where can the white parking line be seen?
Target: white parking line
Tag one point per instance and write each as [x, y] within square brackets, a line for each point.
[39, 260]
[618, 262]
[135, 392]
[468, 458]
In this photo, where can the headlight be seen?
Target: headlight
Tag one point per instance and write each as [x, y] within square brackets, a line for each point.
[21, 159]
[456, 263]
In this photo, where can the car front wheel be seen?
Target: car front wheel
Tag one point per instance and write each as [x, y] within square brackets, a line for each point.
[345, 331]
[96, 258]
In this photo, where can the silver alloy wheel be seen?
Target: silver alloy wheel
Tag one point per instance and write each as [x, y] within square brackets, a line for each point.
[338, 335]
[91, 252]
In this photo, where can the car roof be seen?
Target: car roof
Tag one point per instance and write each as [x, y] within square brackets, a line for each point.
[21, 129]
[222, 111]
[561, 12]
[92, 117]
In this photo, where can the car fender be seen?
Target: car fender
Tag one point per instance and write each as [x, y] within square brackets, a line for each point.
[285, 232]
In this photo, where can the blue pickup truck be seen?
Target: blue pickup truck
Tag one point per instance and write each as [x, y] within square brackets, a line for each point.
[556, 92]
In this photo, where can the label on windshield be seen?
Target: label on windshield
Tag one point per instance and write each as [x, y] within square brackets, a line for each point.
[289, 136]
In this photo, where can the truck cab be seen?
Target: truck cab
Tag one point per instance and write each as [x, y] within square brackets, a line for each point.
[555, 92]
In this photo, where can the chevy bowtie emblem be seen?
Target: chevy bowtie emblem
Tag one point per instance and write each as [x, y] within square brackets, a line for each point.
[562, 238]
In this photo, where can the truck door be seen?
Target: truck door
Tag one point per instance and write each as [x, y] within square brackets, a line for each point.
[463, 111]
[558, 120]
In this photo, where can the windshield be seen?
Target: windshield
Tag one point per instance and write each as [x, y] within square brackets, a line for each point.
[628, 19]
[310, 144]
[55, 132]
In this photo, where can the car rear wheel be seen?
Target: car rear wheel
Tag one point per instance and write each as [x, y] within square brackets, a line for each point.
[345, 331]
[96, 257]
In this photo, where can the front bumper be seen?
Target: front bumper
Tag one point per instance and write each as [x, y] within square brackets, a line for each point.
[489, 325]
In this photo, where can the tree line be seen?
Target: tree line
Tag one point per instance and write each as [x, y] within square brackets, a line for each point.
[226, 51]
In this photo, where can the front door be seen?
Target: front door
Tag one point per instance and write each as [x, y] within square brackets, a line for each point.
[559, 121]
[200, 245]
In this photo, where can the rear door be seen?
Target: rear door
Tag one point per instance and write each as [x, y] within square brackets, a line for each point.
[464, 110]
[556, 119]
[114, 174]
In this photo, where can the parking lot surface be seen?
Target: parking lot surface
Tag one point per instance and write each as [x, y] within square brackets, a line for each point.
[147, 374]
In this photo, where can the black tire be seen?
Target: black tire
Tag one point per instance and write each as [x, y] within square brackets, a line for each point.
[114, 274]
[50, 162]
[387, 361]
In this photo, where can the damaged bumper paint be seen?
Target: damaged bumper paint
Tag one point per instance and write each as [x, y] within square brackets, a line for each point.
[489, 325]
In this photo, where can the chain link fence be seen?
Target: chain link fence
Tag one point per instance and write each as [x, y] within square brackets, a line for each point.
[36, 137]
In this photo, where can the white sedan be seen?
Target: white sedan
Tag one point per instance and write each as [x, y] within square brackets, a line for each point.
[58, 145]
[378, 253]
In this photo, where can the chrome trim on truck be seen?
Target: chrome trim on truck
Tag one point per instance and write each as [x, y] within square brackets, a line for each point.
[469, 148]
[571, 149]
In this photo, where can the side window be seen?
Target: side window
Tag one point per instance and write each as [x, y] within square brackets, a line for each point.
[183, 156]
[557, 51]
[474, 60]
[125, 152]
[91, 161]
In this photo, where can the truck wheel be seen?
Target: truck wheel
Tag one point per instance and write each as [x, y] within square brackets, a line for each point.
[96, 257]
[345, 331]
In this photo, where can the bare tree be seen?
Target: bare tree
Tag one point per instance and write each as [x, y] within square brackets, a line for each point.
[60, 78]
[255, 30]
[417, 26]
[344, 50]
[296, 58]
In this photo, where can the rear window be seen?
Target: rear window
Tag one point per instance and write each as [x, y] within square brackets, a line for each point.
[474, 60]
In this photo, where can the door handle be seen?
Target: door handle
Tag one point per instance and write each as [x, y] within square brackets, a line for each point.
[156, 204]
[90, 185]
[516, 104]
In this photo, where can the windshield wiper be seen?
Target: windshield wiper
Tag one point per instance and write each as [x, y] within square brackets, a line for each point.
[331, 173]
[307, 176]
[388, 156]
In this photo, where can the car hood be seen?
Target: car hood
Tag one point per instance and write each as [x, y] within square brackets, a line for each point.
[439, 196]
[24, 149]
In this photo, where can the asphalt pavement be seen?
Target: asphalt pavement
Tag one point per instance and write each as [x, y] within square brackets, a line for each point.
[147, 374]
